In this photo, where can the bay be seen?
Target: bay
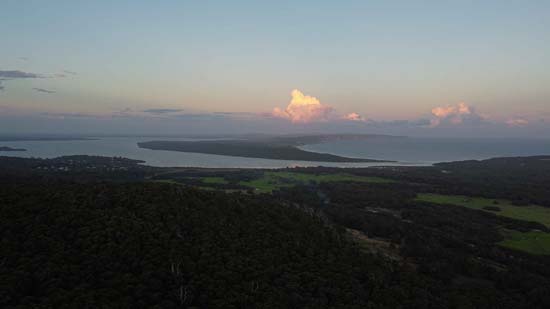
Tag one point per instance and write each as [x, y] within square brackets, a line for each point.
[406, 151]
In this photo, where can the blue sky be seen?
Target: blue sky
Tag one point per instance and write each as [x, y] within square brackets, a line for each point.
[386, 61]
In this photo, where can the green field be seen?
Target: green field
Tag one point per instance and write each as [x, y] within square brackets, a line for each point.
[213, 180]
[534, 242]
[274, 180]
[526, 213]
[207, 181]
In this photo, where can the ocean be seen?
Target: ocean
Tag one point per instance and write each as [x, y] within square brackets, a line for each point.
[406, 151]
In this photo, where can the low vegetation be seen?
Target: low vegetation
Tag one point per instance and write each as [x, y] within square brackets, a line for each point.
[109, 232]
[534, 242]
[499, 207]
[270, 181]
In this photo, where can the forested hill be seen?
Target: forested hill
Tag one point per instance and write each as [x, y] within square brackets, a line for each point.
[160, 246]
[96, 232]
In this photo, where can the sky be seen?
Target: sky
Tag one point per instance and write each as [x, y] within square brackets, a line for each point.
[427, 68]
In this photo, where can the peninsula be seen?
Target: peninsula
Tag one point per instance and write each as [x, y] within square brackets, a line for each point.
[276, 149]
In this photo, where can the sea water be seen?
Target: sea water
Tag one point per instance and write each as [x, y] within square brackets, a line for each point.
[406, 151]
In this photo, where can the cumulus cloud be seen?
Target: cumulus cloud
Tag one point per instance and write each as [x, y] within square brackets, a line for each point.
[43, 90]
[517, 122]
[455, 115]
[303, 109]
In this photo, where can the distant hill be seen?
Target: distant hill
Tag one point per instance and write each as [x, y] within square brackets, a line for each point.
[28, 138]
[5, 148]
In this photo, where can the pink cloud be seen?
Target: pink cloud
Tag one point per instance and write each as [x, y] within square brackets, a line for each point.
[303, 109]
[454, 114]
[517, 122]
[353, 117]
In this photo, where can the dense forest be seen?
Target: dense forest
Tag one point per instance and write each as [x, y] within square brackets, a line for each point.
[92, 232]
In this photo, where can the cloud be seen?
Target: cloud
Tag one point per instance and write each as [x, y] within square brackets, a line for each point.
[15, 74]
[162, 110]
[353, 117]
[71, 115]
[200, 116]
[303, 109]
[6, 75]
[62, 75]
[517, 122]
[43, 90]
[455, 115]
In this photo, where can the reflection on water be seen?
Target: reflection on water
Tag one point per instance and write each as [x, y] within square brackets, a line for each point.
[407, 151]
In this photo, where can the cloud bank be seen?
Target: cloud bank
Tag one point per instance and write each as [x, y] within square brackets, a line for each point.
[162, 110]
[128, 121]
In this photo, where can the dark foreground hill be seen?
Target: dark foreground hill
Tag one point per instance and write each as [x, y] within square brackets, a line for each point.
[95, 232]
[158, 245]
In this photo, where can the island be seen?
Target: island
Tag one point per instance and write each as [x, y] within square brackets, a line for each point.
[276, 149]
[5, 148]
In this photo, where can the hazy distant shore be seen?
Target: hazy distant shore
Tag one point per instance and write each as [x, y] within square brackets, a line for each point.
[31, 138]
[4, 148]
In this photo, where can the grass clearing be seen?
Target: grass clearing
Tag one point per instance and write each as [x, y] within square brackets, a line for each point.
[214, 180]
[507, 209]
[534, 242]
[170, 181]
[274, 180]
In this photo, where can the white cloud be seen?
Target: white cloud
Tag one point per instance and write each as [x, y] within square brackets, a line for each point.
[303, 109]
